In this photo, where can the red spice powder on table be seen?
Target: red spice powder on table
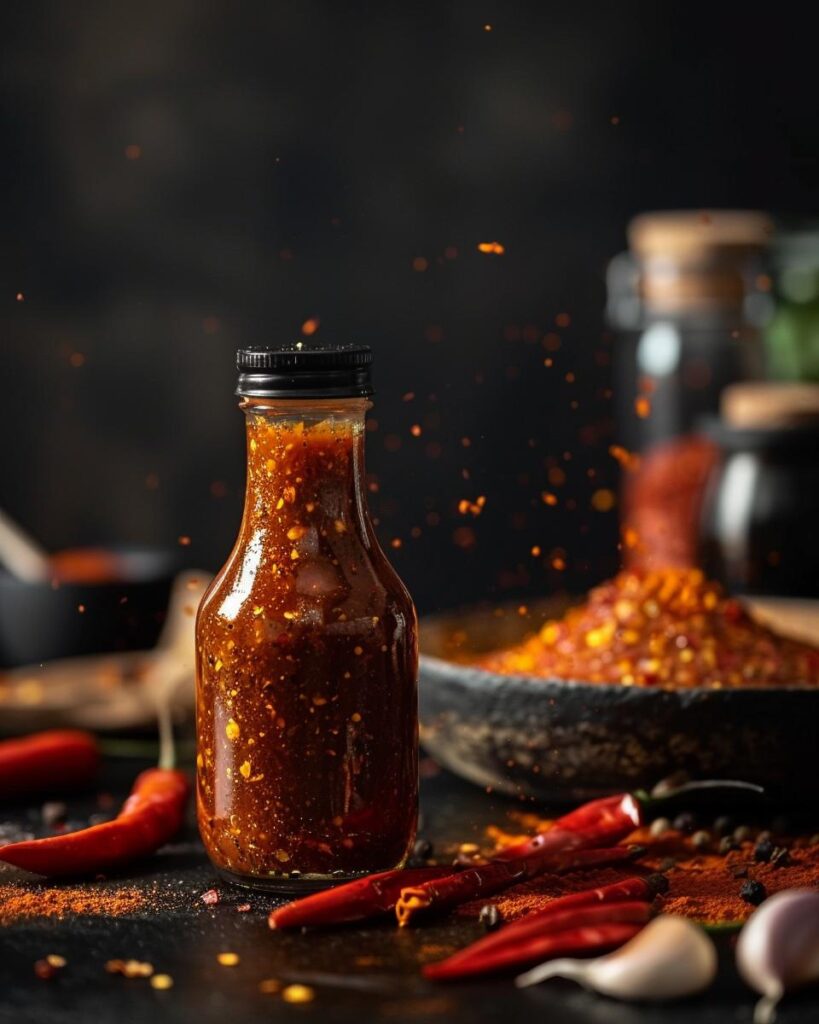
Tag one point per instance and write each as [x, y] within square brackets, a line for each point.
[703, 884]
[18, 902]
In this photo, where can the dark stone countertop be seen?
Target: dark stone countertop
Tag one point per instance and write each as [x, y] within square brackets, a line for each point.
[357, 973]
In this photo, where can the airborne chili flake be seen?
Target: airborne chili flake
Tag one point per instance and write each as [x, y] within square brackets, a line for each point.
[667, 627]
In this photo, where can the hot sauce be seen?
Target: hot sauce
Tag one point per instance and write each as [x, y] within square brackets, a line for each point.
[306, 646]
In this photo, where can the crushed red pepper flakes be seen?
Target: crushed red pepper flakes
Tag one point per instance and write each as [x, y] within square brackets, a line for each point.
[210, 897]
[664, 627]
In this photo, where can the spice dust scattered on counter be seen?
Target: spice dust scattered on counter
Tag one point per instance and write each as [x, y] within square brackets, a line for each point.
[26, 901]
[705, 882]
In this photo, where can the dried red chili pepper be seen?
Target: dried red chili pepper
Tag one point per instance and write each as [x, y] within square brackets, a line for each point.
[496, 875]
[603, 822]
[611, 819]
[580, 924]
[55, 759]
[478, 957]
[151, 816]
[353, 901]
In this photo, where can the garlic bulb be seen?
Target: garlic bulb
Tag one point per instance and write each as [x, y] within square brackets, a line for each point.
[669, 958]
[778, 949]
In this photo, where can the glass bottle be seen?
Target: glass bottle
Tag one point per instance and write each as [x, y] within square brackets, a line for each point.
[307, 765]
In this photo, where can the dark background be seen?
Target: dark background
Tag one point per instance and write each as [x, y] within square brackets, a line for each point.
[181, 178]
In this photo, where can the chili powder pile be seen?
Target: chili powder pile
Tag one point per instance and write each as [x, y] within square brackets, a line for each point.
[18, 902]
[668, 627]
[703, 884]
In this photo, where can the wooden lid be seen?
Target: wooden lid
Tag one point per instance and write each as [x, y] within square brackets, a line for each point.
[680, 233]
[768, 405]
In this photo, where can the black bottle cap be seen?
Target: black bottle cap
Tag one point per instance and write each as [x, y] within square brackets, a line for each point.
[301, 371]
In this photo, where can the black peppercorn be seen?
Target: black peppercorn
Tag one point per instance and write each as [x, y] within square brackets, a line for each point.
[422, 850]
[490, 917]
[753, 892]
[728, 843]
[724, 825]
[657, 883]
[764, 848]
[685, 822]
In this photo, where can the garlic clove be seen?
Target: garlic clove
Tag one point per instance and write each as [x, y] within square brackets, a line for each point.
[778, 949]
[670, 958]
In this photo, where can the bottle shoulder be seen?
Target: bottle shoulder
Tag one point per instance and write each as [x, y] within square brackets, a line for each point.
[336, 583]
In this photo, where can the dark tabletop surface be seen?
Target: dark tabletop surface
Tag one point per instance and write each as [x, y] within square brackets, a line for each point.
[357, 973]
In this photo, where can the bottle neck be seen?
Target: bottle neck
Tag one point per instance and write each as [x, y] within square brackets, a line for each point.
[305, 468]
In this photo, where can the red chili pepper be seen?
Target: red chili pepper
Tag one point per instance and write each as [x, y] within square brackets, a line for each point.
[583, 929]
[151, 815]
[354, 901]
[57, 759]
[486, 879]
[603, 822]
[556, 916]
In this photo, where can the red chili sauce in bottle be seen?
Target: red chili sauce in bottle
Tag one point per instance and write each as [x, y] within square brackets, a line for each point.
[306, 646]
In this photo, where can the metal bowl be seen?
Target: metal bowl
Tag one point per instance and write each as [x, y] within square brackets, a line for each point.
[556, 740]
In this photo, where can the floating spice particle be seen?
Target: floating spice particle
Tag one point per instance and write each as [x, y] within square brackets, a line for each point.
[491, 248]
[258, 610]
[642, 406]
[357, 650]
[283, 856]
[162, 982]
[210, 897]
[228, 959]
[184, 541]
[294, 555]
[298, 994]
[310, 326]
[56, 960]
[232, 730]
[536, 551]
[244, 770]
[355, 717]
[548, 498]
[603, 500]
[130, 968]
[243, 908]
[43, 969]
[270, 986]
[81, 609]
[415, 430]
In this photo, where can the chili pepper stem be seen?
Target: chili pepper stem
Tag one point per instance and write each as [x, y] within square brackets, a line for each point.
[167, 748]
[649, 802]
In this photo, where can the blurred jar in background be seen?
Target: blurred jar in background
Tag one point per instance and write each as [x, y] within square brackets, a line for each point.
[761, 504]
[792, 337]
[689, 301]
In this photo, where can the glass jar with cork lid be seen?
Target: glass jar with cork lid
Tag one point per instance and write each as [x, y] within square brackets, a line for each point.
[688, 302]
